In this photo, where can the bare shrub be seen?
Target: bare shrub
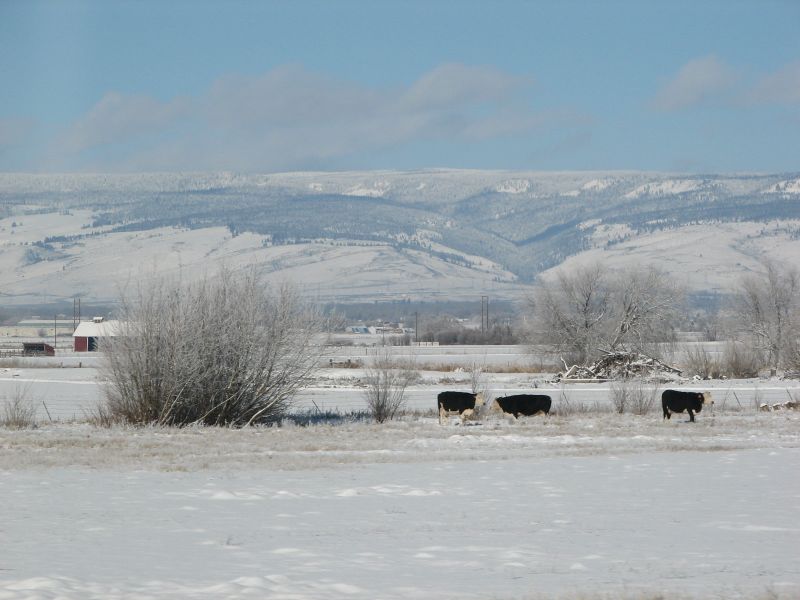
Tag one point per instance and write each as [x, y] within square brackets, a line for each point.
[701, 363]
[225, 350]
[477, 378]
[387, 380]
[740, 361]
[757, 398]
[564, 406]
[634, 395]
[101, 416]
[19, 411]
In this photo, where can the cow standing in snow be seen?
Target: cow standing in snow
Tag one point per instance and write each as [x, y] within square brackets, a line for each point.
[461, 403]
[523, 404]
[676, 401]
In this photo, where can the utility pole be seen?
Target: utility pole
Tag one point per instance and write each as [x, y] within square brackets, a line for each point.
[76, 313]
[416, 327]
[484, 314]
[55, 331]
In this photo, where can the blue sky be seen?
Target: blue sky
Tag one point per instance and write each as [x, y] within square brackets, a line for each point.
[274, 86]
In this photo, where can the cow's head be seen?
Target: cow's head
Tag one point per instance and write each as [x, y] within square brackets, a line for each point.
[479, 399]
[495, 406]
[707, 398]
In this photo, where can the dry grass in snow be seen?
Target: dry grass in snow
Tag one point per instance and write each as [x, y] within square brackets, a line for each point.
[407, 440]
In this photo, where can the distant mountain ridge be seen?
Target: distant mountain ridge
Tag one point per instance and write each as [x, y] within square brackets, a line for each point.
[433, 233]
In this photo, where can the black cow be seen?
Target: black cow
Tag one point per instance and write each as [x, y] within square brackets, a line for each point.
[463, 403]
[676, 401]
[523, 404]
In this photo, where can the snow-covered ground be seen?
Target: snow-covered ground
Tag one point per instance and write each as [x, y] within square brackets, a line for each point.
[583, 505]
[591, 506]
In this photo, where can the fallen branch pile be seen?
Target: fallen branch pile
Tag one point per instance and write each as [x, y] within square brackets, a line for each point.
[619, 365]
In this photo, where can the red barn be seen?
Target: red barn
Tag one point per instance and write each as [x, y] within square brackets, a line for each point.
[88, 333]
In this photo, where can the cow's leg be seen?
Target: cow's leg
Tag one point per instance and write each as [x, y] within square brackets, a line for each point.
[442, 414]
[467, 415]
[691, 416]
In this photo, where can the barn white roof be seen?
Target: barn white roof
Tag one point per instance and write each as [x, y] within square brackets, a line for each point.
[97, 329]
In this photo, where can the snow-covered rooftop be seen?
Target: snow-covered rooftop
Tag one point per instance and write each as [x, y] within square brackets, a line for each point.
[97, 329]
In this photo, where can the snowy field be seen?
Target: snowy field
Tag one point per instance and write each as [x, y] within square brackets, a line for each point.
[588, 505]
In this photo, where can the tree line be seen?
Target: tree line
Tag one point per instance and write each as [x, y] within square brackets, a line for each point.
[232, 350]
[589, 311]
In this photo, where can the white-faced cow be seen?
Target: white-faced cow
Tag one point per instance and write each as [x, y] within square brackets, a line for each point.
[461, 403]
[676, 401]
[523, 404]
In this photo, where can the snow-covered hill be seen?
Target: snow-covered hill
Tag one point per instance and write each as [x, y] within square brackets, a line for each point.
[361, 236]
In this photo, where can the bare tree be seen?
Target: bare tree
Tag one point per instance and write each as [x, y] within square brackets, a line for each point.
[766, 309]
[387, 380]
[644, 305]
[590, 310]
[226, 350]
[572, 312]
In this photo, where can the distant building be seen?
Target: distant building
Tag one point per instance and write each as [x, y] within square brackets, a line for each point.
[88, 333]
[37, 349]
[358, 329]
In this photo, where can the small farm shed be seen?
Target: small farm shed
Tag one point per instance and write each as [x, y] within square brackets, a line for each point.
[88, 333]
[37, 349]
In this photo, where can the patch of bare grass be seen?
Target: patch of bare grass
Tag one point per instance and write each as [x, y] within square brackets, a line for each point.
[634, 395]
[564, 406]
[19, 411]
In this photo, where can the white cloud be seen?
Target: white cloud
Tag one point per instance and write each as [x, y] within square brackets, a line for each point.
[697, 81]
[456, 84]
[290, 117]
[13, 131]
[780, 87]
[118, 118]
